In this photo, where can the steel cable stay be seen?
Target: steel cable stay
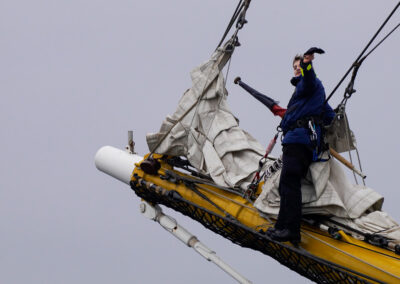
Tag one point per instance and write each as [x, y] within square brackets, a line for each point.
[358, 61]
[233, 19]
[240, 15]
[356, 66]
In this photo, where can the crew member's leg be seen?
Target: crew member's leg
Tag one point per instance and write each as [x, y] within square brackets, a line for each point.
[296, 161]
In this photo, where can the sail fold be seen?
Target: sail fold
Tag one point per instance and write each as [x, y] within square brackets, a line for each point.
[205, 131]
[325, 191]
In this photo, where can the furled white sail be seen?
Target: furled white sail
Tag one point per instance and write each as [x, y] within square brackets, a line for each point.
[204, 130]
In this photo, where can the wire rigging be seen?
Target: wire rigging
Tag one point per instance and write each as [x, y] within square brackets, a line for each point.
[233, 19]
[358, 62]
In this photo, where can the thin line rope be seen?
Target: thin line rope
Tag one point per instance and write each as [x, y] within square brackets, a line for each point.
[350, 255]
[233, 19]
[348, 137]
[362, 53]
[359, 164]
[376, 46]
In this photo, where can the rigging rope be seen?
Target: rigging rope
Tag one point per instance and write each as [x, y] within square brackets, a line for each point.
[348, 137]
[373, 49]
[349, 90]
[357, 61]
[233, 19]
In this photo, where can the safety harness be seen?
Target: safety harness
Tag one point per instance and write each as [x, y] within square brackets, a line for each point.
[311, 123]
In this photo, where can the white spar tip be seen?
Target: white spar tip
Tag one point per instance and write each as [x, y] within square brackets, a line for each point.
[116, 163]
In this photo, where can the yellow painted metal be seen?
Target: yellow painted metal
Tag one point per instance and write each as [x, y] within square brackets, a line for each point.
[356, 255]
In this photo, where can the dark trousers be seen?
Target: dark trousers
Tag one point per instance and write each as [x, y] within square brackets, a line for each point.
[296, 160]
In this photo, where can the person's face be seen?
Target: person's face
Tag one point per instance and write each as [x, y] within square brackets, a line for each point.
[296, 68]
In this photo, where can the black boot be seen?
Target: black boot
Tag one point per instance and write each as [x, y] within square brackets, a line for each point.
[270, 231]
[284, 235]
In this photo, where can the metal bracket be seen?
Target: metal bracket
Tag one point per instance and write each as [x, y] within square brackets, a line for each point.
[130, 148]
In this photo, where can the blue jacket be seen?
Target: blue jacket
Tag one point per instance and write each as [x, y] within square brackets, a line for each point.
[307, 100]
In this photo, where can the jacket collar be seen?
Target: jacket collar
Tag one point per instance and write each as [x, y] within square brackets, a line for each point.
[295, 80]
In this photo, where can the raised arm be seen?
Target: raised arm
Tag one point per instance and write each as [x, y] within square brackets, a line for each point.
[307, 70]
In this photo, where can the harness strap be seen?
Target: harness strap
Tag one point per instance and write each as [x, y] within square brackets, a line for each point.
[303, 122]
[310, 123]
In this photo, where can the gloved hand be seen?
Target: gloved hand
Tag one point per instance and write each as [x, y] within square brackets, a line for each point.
[313, 50]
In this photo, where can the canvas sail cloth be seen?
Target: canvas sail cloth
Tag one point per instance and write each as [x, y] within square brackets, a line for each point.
[204, 130]
[327, 191]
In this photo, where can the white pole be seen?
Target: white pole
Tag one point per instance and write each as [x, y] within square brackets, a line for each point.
[116, 163]
[155, 213]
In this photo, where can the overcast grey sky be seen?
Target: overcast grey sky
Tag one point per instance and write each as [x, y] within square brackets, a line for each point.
[76, 75]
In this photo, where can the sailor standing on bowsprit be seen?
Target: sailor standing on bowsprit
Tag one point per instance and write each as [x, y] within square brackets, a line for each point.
[302, 126]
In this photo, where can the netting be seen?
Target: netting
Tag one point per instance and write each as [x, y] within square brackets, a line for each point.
[307, 265]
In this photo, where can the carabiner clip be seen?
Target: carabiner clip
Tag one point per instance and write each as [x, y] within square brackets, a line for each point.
[313, 135]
